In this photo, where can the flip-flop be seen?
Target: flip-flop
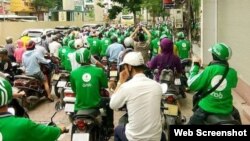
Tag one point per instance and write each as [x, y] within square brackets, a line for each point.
[51, 99]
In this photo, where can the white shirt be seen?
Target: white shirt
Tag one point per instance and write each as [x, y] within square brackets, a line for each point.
[75, 64]
[41, 49]
[143, 99]
[54, 47]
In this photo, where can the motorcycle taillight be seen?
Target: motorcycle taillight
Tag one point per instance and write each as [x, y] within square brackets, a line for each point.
[81, 125]
[69, 94]
[170, 99]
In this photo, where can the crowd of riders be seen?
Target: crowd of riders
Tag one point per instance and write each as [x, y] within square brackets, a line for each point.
[136, 51]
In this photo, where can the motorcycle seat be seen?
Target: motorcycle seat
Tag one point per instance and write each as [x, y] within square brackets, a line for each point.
[220, 119]
[24, 77]
[93, 113]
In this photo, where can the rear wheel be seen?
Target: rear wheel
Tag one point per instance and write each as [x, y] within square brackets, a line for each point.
[170, 120]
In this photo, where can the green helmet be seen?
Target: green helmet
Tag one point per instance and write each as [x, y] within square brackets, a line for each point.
[65, 41]
[72, 36]
[71, 44]
[5, 92]
[180, 35]
[222, 51]
[83, 56]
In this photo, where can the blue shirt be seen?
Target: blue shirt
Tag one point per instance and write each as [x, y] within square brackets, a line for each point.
[31, 60]
[113, 51]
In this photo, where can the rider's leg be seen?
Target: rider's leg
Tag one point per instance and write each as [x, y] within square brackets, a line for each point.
[198, 117]
[120, 133]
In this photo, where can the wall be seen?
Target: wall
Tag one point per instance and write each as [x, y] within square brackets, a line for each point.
[208, 28]
[14, 29]
[233, 29]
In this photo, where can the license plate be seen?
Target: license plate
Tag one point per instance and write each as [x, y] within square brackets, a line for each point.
[69, 107]
[177, 81]
[81, 137]
[56, 77]
[61, 83]
[113, 73]
[171, 109]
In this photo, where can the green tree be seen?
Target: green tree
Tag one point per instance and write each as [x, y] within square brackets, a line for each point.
[45, 5]
[131, 5]
[154, 7]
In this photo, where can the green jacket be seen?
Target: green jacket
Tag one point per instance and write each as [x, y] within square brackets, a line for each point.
[67, 63]
[95, 46]
[86, 82]
[61, 54]
[183, 48]
[220, 101]
[22, 129]
[105, 43]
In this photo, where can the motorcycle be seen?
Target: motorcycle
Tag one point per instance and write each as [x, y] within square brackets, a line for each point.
[34, 90]
[112, 75]
[16, 109]
[52, 123]
[14, 106]
[68, 100]
[222, 120]
[186, 66]
[89, 124]
[170, 101]
[59, 81]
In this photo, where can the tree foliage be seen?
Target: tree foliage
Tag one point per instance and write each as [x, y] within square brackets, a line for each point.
[131, 5]
[154, 7]
[47, 4]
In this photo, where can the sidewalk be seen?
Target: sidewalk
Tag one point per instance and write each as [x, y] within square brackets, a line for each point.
[242, 106]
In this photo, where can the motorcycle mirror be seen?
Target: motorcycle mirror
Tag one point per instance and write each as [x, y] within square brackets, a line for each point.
[164, 87]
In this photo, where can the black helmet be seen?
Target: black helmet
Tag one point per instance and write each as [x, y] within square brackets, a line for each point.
[31, 45]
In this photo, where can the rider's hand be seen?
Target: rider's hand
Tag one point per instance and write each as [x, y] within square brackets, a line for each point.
[124, 75]
[196, 59]
[17, 95]
[63, 129]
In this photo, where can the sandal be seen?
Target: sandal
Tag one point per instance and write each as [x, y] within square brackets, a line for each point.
[51, 99]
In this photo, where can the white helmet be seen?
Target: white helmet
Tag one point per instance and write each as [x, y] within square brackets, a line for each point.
[129, 42]
[78, 43]
[133, 59]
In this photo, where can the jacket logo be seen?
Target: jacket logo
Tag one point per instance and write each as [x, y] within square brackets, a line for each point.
[86, 77]
[216, 80]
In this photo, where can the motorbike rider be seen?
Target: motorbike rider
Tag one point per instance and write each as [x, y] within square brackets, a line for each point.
[5, 64]
[220, 101]
[22, 129]
[19, 51]
[86, 82]
[79, 45]
[30, 60]
[113, 50]
[142, 97]
[54, 46]
[143, 44]
[129, 46]
[166, 59]
[10, 48]
[183, 46]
